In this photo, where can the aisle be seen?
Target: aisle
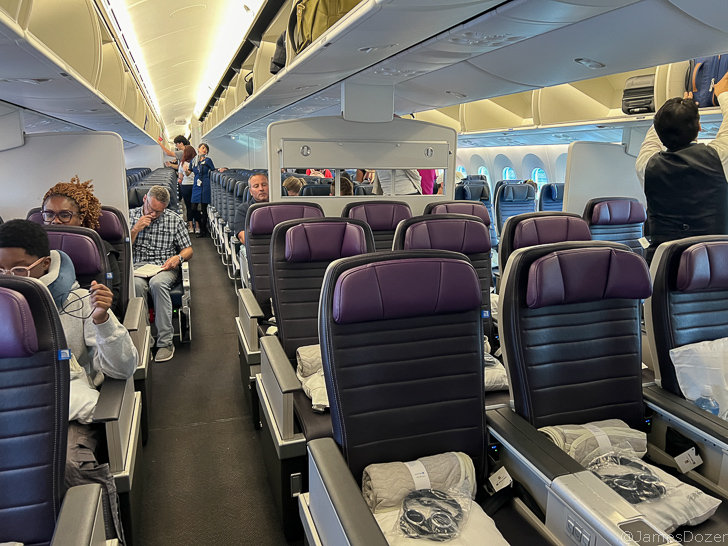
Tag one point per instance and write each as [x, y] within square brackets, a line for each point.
[205, 482]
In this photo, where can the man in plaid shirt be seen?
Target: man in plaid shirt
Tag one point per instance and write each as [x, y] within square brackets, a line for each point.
[159, 237]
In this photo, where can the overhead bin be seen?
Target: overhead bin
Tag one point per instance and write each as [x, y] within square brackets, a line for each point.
[130, 102]
[71, 30]
[448, 116]
[498, 113]
[17, 10]
[261, 68]
[111, 83]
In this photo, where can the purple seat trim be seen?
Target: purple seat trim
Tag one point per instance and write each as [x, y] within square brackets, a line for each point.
[264, 219]
[466, 236]
[381, 216]
[618, 212]
[703, 266]
[110, 228]
[324, 242]
[18, 338]
[583, 275]
[474, 209]
[550, 229]
[405, 288]
[80, 248]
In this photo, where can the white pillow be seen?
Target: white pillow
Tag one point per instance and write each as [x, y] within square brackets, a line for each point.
[700, 364]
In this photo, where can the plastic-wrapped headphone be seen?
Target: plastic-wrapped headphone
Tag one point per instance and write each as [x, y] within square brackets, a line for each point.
[430, 514]
[634, 487]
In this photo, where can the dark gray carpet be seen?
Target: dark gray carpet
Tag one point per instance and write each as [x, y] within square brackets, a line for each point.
[204, 479]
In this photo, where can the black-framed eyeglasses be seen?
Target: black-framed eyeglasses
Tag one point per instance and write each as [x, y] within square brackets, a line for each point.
[21, 270]
[64, 216]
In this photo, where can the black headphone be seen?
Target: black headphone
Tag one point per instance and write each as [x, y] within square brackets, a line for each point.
[430, 514]
[634, 487]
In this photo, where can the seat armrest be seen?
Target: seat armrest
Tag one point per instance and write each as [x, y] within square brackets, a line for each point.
[278, 382]
[274, 356]
[111, 400]
[252, 307]
[136, 316]
[81, 521]
[339, 511]
[543, 454]
[711, 425]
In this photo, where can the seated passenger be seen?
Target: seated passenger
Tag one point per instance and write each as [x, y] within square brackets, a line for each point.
[74, 204]
[323, 173]
[159, 237]
[294, 185]
[99, 344]
[258, 184]
[345, 186]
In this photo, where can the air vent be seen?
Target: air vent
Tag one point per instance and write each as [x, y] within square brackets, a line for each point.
[29, 81]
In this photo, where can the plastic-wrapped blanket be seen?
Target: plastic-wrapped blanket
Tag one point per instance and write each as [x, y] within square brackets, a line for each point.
[311, 375]
[385, 485]
[496, 378]
[586, 442]
[700, 364]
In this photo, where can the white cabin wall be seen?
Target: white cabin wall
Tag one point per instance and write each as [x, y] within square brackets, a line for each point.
[240, 152]
[599, 169]
[523, 159]
[151, 157]
[49, 158]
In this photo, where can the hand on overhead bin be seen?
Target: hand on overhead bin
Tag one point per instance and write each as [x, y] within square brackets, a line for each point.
[100, 297]
[721, 86]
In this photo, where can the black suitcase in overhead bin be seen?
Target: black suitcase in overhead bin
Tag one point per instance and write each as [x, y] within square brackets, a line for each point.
[638, 96]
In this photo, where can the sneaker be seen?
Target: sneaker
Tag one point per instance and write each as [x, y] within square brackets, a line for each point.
[164, 354]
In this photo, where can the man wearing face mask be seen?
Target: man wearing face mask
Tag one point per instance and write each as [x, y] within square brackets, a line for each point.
[159, 237]
[100, 346]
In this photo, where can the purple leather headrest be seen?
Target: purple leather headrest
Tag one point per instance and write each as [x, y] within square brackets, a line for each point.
[518, 192]
[617, 212]
[381, 216]
[550, 229]
[324, 241]
[110, 228]
[474, 209]
[264, 219]
[81, 249]
[466, 236]
[405, 288]
[588, 274]
[18, 338]
[704, 266]
[36, 218]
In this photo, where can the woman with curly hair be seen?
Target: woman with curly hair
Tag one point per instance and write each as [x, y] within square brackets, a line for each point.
[74, 204]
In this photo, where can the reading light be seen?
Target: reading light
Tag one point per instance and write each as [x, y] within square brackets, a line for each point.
[590, 63]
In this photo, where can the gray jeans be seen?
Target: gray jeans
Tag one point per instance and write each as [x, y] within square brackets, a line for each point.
[83, 468]
[160, 286]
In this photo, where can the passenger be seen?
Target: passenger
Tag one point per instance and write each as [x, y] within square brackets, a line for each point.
[179, 144]
[685, 185]
[159, 237]
[360, 174]
[323, 173]
[258, 184]
[406, 182]
[345, 186]
[222, 169]
[99, 345]
[427, 180]
[74, 204]
[294, 185]
[202, 190]
[187, 182]
[533, 184]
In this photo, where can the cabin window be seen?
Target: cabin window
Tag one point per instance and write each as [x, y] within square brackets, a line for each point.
[462, 171]
[484, 171]
[538, 175]
[509, 174]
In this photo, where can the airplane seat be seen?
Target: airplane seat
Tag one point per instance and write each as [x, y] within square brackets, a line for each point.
[551, 197]
[135, 196]
[689, 300]
[462, 233]
[254, 304]
[502, 182]
[414, 405]
[458, 207]
[315, 190]
[618, 219]
[512, 199]
[36, 380]
[462, 193]
[143, 187]
[1, 220]
[363, 189]
[475, 179]
[382, 217]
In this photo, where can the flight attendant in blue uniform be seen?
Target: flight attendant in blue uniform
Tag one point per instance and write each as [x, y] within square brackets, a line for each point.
[202, 191]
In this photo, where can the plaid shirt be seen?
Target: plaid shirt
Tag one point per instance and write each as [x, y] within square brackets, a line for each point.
[160, 240]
